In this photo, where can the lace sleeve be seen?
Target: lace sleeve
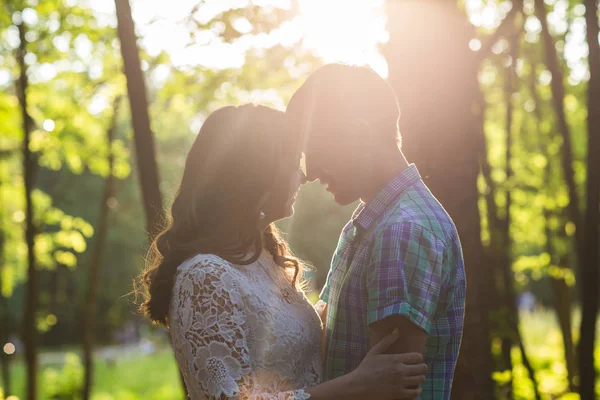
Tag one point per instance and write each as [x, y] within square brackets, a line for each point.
[209, 335]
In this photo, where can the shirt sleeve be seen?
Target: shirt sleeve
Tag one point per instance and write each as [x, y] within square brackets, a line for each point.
[404, 275]
[210, 337]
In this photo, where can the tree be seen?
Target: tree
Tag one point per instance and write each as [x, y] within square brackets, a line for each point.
[441, 126]
[97, 259]
[590, 256]
[4, 325]
[558, 100]
[138, 103]
[562, 292]
[29, 318]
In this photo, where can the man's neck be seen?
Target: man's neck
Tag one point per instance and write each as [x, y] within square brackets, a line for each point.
[385, 172]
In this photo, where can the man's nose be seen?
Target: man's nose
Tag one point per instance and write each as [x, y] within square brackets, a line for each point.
[303, 179]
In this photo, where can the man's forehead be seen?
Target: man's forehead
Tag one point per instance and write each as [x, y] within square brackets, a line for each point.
[317, 142]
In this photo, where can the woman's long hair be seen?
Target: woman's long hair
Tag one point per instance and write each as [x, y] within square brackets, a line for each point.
[229, 171]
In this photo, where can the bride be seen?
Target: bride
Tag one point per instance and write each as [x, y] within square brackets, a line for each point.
[227, 288]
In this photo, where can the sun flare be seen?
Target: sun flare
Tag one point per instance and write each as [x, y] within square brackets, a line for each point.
[345, 30]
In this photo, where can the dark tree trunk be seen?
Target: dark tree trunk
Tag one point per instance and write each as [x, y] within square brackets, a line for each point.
[562, 305]
[589, 264]
[89, 325]
[505, 241]
[435, 79]
[562, 293]
[143, 138]
[558, 100]
[563, 302]
[527, 365]
[138, 102]
[31, 301]
[5, 326]
[4, 358]
[5, 323]
[514, 333]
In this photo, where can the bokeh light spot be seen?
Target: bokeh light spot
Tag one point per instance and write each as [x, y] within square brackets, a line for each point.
[475, 44]
[9, 349]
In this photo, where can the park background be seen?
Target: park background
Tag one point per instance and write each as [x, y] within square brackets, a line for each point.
[100, 101]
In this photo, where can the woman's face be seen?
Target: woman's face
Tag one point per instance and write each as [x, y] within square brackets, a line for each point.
[280, 203]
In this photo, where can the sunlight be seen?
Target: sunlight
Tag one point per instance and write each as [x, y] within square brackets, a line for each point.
[346, 31]
[487, 14]
[336, 30]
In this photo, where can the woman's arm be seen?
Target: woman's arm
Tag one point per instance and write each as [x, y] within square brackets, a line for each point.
[378, 376]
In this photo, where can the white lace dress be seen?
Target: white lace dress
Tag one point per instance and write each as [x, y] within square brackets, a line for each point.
[242, 332]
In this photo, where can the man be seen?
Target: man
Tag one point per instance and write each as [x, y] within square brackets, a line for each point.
[398, 263]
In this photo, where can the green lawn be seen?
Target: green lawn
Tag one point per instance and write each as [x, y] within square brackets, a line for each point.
[155, 377]
[133, 376]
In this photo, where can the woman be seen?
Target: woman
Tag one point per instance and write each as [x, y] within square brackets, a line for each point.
[226, 286]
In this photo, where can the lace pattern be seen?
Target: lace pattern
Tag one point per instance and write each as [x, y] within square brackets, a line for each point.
[234, 335]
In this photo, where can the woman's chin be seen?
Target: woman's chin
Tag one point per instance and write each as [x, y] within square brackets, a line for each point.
[289, 211]
[284, 214]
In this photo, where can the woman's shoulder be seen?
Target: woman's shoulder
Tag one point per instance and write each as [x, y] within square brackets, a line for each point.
[204, 263]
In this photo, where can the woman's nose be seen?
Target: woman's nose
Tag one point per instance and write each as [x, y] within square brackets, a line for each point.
[303, 178]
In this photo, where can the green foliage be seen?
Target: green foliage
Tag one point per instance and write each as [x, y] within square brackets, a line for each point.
[67, 383]
[537, 189]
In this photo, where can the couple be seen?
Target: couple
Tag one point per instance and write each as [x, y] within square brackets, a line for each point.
[227, 287]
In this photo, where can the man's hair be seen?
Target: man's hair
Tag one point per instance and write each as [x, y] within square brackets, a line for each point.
[338, 93]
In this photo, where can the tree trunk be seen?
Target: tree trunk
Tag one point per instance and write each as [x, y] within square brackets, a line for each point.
[5, 324]
[514, 333]
[4, 333]
[562, 305]
[138, 102]
[527, 365]
[4, 358]
[558, 101]
[563, 301]
[562, 293]
[505, 240]
[435, 79]
[31, 302]
[589, 263]
[143, 138]
[89, 325]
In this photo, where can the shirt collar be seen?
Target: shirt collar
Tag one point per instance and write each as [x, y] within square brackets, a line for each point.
[370, 212]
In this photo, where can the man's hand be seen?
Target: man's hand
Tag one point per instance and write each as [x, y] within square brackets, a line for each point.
[321, 308]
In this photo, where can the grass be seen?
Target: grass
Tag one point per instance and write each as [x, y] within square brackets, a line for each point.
[132, 376]
[136, 376]
[543, 343]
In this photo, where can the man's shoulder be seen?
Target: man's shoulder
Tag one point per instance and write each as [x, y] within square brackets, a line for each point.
[419, 208]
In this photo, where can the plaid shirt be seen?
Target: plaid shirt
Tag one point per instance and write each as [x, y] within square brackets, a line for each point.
[399, 255]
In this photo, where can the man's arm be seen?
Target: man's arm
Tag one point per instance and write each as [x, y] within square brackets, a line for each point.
[404, 283]
[412, 338]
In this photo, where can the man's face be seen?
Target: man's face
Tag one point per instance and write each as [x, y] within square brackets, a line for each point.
[336, 158]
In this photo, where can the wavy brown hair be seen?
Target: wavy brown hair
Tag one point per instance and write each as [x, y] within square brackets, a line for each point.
[229, 172]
